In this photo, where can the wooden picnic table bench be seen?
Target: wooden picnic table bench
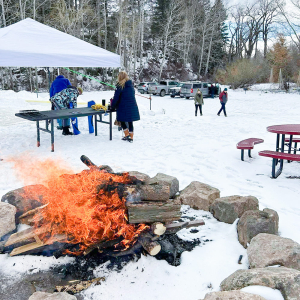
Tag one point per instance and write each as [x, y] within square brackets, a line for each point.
[248, 144]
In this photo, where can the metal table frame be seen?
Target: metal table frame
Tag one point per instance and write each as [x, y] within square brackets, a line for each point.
[50, 115]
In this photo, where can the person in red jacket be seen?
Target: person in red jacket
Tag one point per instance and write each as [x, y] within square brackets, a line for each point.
[223, 99]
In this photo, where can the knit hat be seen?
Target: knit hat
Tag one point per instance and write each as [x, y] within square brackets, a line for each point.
[225, 90]
[80, 90]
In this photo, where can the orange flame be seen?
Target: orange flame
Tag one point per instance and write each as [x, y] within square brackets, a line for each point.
[86, 207]
[83, 208]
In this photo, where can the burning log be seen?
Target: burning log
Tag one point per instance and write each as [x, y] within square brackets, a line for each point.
[103, 245]
[31, 216]
[29, 241]
[24, 236]
[155, 211]
[155, 192]
[77, 286]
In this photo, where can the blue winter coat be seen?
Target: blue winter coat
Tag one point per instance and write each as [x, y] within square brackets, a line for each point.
[125, 104]
[60, 83]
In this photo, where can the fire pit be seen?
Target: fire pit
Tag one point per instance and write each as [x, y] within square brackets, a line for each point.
[99, 216]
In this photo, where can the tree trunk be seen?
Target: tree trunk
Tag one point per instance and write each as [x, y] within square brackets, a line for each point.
[33, 9]
[209, 49]
[11, 79]
[202, 46]
[3, 14]
[36, 80]
[105, 23]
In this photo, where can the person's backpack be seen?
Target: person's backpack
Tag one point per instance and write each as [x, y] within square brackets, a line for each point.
[220, 96]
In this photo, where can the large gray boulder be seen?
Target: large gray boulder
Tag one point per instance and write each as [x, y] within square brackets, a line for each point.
[232, 295]
[269, 250]
[198, 195]
[228, 209]
[7, 218]
[253, 222]
[140, 176]
[284, 279]
[26, 198]
[161, 178]
[49, 296]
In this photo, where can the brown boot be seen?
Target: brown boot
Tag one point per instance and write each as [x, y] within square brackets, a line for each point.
[126, 132]
[131, 135]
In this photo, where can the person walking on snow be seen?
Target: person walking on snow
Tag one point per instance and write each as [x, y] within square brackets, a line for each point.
[198, 102]
[125, 103]
[223, 99]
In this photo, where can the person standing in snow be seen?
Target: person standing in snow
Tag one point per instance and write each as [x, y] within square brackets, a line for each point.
[212, 91]
[198, 102]
[223, 99]
[60, 83]
[125, 103]
[67, 98]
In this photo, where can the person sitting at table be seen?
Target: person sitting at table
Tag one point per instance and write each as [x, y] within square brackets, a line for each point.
[60, 83]
[63, 100]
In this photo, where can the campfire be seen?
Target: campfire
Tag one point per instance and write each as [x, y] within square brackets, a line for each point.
[115, 214]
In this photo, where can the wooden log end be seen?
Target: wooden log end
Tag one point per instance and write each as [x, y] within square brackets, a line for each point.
[152, 248]
[158, 228]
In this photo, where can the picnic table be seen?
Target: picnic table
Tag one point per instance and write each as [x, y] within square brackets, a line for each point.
[281, 154]
[50, 115]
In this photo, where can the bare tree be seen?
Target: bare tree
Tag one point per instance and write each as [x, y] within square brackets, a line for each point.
[291, 16]
[171, 29]
[269, 10]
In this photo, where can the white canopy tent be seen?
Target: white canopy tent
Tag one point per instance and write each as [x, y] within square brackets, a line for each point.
[29, 43]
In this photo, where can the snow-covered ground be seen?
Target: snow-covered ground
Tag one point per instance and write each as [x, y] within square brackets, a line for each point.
[171, 140]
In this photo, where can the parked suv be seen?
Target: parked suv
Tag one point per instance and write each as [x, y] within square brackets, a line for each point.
[144, 86]
[189, 89]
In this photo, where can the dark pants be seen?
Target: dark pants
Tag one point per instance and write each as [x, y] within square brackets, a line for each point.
[213, 93]
[130, 126]
[196, 108]
[222, 108]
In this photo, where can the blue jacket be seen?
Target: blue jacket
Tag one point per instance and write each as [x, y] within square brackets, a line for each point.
[60, 83]
[125, 103]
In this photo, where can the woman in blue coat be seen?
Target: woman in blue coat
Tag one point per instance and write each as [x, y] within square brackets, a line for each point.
[125, 104]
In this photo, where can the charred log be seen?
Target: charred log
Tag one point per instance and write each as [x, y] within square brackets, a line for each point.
[77, 286]
[103, 245]
[175, 227]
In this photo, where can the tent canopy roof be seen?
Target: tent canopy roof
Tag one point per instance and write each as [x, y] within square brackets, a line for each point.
[29, 43]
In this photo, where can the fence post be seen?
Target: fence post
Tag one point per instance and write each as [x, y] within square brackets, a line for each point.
[150, 101]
